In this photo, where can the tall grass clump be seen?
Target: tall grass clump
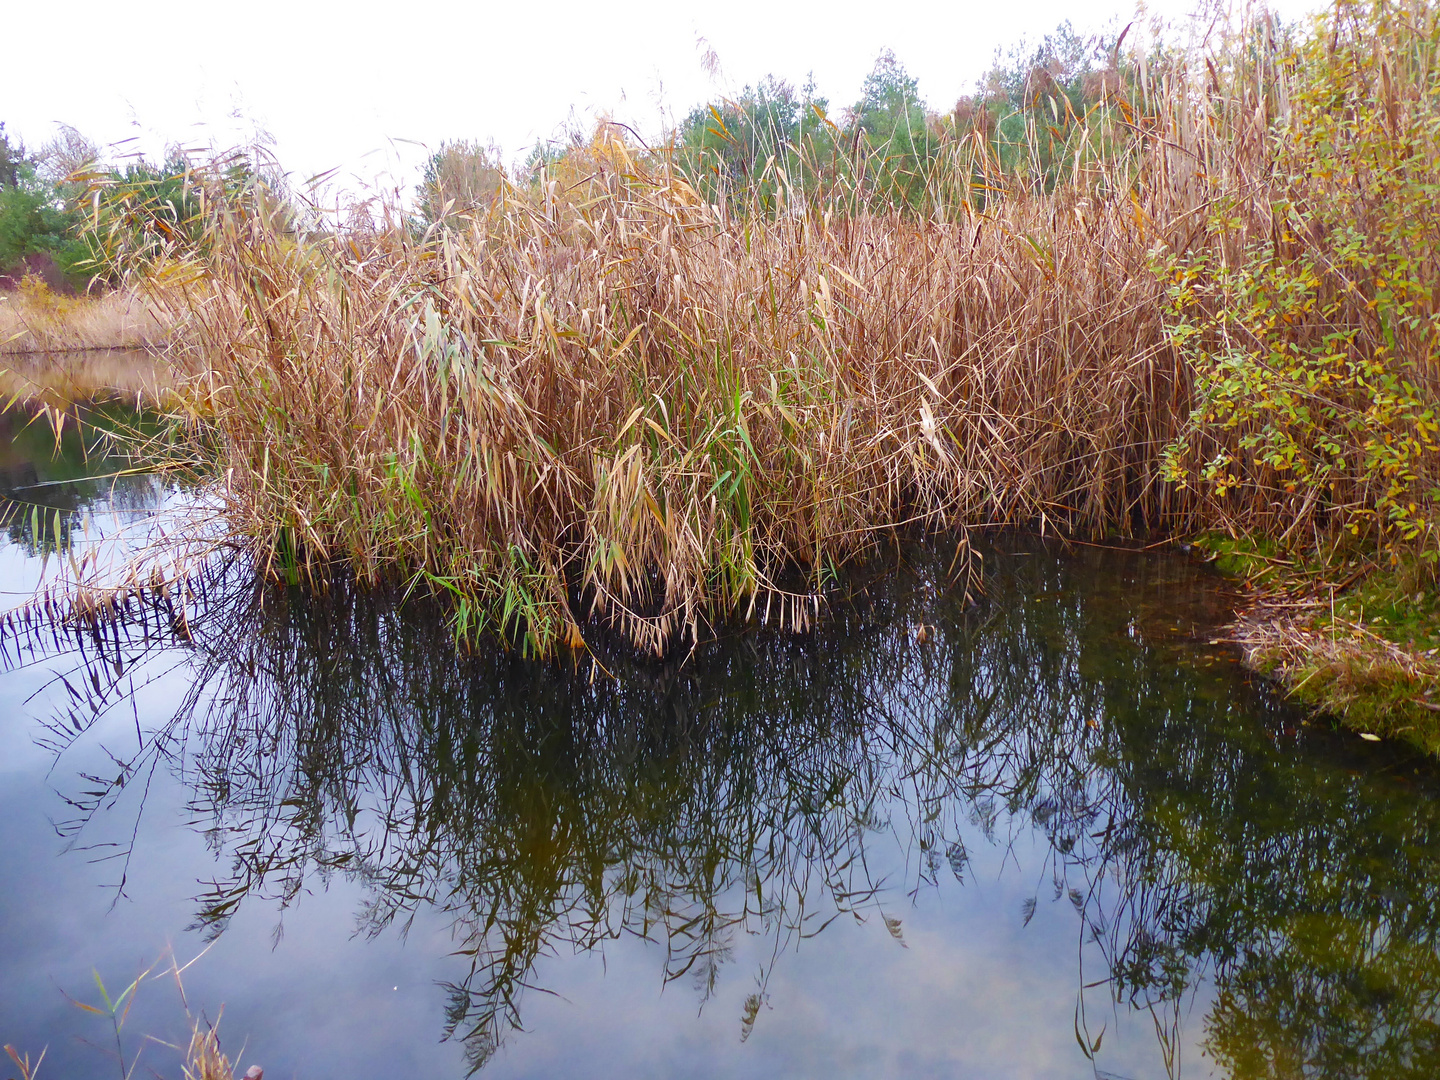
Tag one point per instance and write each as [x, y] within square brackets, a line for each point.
[636, 399]
[629, 392]
[35, 321]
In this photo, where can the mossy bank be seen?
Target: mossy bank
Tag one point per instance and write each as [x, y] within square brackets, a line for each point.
[1354, 637]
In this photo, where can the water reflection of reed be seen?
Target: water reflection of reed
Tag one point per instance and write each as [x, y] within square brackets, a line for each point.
[544, 807]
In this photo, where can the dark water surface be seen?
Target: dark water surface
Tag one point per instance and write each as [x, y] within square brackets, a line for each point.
[1053, 834]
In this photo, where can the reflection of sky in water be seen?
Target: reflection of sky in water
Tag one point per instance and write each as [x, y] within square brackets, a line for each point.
[971, 992]
[1069, 737]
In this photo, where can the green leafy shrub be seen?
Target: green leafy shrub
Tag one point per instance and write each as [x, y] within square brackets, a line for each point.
[35, 216]
[1040, 114]
[1312, 322]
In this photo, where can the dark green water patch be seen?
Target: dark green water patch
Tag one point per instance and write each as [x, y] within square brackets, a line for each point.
[50, 479]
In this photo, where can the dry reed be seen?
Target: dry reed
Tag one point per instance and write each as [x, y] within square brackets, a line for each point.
[605, 397]
[35, 320]
[666, 411]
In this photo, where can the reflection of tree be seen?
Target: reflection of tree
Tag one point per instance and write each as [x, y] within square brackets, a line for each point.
[47, 483]
[544, 807]
[1312, 890]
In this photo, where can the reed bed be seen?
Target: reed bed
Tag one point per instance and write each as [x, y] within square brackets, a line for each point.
[671, 414]
[602, 397]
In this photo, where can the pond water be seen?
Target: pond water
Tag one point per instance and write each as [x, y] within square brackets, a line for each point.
[1052, 833]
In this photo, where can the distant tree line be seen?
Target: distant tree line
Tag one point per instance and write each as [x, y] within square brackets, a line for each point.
[66, 215]
[1034, 114]
[1029, 116]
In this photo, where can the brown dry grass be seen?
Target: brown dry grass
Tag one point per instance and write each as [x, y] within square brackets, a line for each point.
[204, 1058]
[35, 320]
[601, 396]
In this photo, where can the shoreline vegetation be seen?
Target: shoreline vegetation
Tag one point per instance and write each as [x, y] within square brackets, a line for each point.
[36, 321]
[1155, 291]
[1350, 636]
[59, 348]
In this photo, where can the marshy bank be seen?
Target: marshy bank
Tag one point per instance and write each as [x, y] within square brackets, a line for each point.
[36, 321]
[1354, 635]
[60, 350]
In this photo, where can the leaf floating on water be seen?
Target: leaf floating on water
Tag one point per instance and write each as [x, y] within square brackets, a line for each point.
[1369, 737]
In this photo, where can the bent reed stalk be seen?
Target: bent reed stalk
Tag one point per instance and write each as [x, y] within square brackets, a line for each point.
[610, 398]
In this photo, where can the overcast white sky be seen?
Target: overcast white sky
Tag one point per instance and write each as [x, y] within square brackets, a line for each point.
[354, 86]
